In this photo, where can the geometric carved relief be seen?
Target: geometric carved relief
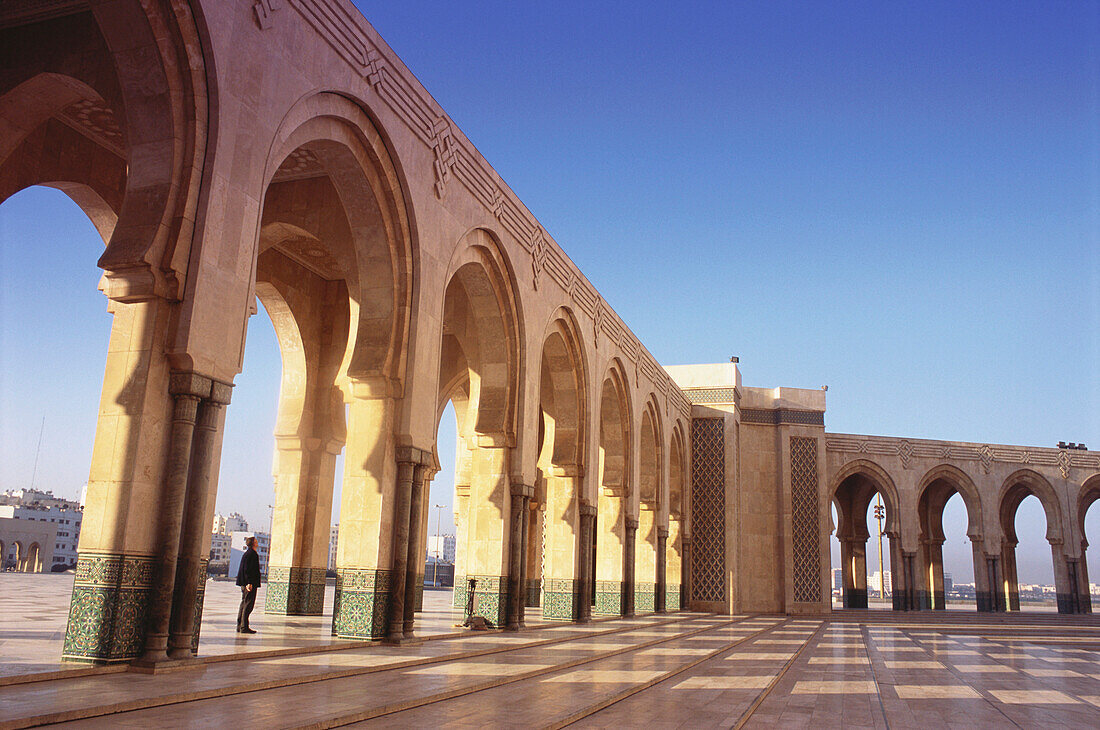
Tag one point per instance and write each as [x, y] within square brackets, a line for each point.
[708, 510]
[804, 516]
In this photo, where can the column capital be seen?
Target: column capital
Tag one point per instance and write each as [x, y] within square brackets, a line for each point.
[685, 540]
[631, 523]
[519, 489]
[413, 455]
[662, 533]
[587, 510]
[189, 383]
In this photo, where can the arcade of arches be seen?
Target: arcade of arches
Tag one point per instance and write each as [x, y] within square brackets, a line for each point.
[235, 151]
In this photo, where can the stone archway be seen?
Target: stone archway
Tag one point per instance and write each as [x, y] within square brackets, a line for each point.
[565, 551]
[1020, 485]
[675, 570]
[936, 488]
[615, 528]
[853, 489]
[481, 335]
[651, 488]
[1087, 496]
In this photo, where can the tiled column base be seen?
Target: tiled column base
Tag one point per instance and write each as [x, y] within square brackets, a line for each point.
[490, 597]
[108, 610]
[645, 597]
[672, 597]
[295, 591]
[362, 603]
[200, 595]
[459, 600]
[561, 599]
[609, 598]
[534, 588]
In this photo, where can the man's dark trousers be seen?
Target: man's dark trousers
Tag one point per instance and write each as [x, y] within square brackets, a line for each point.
[248, 602]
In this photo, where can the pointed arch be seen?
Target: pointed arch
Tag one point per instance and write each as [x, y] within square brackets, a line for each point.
[651, 483]
[878, 479]
[938, 485]
[677, 471]
[564, 392]
[481, 312]
[614, 431]
[1017, 487]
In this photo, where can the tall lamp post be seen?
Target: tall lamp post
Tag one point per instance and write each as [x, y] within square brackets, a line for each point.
[438, 546]
[880, 515]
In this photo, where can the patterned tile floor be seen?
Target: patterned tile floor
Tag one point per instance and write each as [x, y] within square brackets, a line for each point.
[850, 669]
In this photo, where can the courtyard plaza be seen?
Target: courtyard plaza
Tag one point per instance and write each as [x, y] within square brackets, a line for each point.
[862, 668]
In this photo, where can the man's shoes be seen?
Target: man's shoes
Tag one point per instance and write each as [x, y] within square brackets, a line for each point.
[248, 631]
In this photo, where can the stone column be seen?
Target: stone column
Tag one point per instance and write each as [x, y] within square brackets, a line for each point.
[628, 566]
[430, 470]
[305, 471]
[853, 559]
[1008, 587]
[183, 632]
[674, 569]
[533, 564]
[567, 551]
[645, 560]
[489, 529]
[587, 562]
[364, 553]
[999, 594]
[517, 542]
[1066, 577]
[983, 596]
[408, 460]
[687, 580]
[930, 593]
[414, 564]
[461, 514]
[611, 550]
[662, 575]
[187, 390]
[1084, 598]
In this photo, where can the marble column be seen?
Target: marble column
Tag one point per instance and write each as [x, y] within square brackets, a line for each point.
[628, 566]
[686, 579]
[182, 640]
[662, 570]
[587, 560]
[517, 542]
[187, 389]
[983, 591]
[408, 459]
[1008, 587]
[414, 561]
[853, 563]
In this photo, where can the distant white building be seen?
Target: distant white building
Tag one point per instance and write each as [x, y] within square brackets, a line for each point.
[219, 548]
[333, 538]
[442, 547]
[237, 548]
[838, 579]
[876, 580]
[226, 525]
[35, 506]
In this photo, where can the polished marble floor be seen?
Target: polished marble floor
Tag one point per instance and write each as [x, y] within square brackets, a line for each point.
[681, 670]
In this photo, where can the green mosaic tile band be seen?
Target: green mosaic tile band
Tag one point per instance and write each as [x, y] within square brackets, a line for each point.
[560, 600]
[459, 600]
[490, 597]
[672, 597]
[609, 598]
[108, 609]
[645, 597]
[362, 601]
[295, 591]
[534, 591]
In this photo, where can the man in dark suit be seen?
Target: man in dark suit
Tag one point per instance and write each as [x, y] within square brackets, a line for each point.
[248, 578]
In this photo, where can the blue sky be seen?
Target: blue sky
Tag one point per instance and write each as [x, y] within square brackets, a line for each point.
[902, 203]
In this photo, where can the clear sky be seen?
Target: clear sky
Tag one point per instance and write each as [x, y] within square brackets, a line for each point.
[901, 202]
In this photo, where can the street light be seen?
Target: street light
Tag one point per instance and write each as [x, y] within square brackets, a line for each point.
[880, 515]
[438, 546]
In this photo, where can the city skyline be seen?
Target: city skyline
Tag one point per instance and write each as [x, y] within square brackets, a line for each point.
[938, 228]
